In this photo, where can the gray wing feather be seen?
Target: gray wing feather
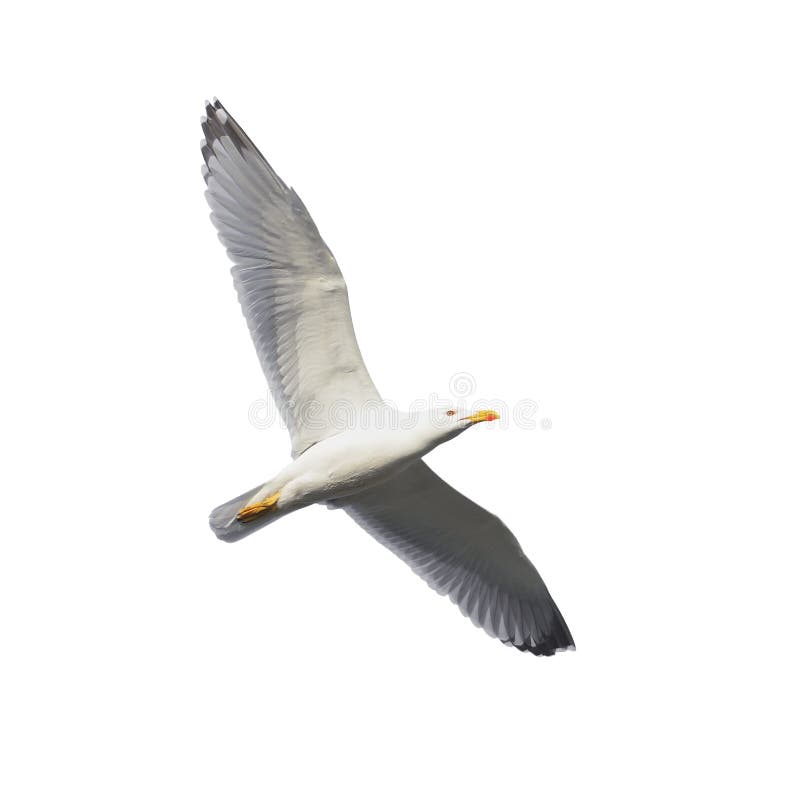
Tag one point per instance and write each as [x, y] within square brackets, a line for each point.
[289, 285]
[463, 551]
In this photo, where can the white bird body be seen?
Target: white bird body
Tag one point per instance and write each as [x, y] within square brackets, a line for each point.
[295, 302]
[354, 460]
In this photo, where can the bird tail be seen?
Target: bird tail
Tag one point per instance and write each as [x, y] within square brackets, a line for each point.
[227, 527]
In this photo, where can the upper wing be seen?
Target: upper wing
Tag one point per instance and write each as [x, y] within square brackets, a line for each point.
[463, 551]
[289, 285]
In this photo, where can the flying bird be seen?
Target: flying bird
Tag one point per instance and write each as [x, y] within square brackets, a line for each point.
[295, 302]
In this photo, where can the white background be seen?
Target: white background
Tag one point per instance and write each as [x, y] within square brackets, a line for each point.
[590, 205]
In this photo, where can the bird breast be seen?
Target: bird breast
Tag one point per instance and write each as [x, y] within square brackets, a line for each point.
[352, 461]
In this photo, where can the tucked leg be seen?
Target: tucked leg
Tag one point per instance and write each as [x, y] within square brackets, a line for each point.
[257, 509]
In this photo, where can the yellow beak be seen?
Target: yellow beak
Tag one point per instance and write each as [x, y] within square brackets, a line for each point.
[483, 416]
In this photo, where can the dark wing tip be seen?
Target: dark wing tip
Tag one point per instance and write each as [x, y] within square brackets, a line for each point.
[555, 637]
[218, 123]
[547, 648]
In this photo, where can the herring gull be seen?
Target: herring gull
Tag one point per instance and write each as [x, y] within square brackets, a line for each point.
[295, 302]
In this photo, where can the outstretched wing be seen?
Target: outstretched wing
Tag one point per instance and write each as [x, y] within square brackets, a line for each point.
[462, 550]
[289, 285]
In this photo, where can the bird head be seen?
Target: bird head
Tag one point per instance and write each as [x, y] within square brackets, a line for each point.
[436, 425]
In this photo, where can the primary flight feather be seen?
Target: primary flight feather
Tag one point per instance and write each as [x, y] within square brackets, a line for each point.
[295, 302]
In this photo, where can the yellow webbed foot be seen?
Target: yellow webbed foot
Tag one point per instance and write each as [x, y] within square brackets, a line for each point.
[257, 509]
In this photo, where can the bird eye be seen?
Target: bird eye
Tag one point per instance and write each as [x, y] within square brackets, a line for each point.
[451, 412]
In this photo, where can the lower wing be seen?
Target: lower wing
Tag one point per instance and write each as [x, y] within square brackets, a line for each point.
[463, 551]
